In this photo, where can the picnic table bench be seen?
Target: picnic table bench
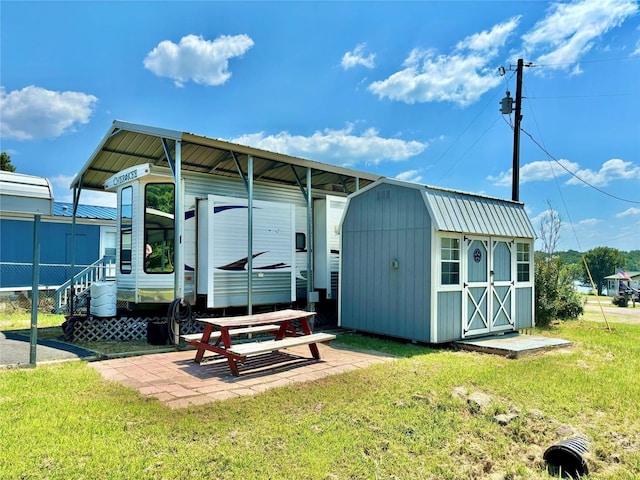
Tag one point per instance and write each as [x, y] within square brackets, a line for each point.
[219, 333]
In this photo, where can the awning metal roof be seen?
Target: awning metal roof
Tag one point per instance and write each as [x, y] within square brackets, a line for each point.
[127, 144]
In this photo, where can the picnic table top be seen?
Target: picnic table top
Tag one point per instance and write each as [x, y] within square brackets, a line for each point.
[258, 318]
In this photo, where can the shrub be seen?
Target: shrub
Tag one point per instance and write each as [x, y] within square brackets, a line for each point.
[620, 300]
[555, 297]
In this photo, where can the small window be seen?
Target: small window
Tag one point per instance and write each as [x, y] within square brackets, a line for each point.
[126, 205]
[523, 260]
[450, 261]
[301, 242]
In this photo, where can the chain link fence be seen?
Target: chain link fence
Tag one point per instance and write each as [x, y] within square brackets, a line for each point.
[16, 282]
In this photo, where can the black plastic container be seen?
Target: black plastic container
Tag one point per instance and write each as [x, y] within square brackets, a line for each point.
[157, 332]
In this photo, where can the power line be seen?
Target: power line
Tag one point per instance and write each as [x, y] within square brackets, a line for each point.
[585, 96]
[467, 128]
[555, 178]
[469, 149]
[600, 60]
[574, 174]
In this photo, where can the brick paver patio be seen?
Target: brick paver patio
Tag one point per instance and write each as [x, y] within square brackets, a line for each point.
[177, 381]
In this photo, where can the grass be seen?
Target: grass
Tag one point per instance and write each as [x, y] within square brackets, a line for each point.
[399, 420]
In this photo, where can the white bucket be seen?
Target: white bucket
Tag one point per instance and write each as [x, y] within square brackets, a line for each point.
[103, 299]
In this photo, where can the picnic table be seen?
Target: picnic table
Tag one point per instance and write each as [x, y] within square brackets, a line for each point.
[290, 327]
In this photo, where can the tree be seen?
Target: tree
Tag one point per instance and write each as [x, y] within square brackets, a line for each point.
[5, 163]
[554, 293]
[603, 261]
[633, 260]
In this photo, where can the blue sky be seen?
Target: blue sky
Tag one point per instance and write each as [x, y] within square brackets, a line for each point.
[403, 89]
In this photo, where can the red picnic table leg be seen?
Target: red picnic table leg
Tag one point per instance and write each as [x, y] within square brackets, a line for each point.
[306, 328]
[206, 335]
[226, 341]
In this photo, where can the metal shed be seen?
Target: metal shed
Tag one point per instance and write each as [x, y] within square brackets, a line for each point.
[434, 265]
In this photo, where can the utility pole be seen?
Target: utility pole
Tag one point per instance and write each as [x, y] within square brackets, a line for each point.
[507, 104]
[515, 179]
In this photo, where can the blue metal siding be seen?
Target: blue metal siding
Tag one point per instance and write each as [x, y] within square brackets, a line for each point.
[386, 224]
[16, 246]
[524, 308]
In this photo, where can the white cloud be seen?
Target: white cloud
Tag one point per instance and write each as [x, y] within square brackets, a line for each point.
[461, 77]
[410, 176]
[62, 193]
[341, 147]
[35, 112]
[570, 30]
[613, 169]
[357, 57]
[628, 211]
[194, 58]
[535, 171]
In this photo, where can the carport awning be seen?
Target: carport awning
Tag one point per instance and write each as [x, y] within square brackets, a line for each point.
[126, 145]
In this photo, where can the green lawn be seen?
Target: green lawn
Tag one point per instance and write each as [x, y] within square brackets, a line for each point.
[407, 419]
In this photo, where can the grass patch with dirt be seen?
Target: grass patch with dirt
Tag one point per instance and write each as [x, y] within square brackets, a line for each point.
[432, 414]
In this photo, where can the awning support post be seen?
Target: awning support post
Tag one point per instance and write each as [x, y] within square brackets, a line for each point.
[310, 246]
[249, 184]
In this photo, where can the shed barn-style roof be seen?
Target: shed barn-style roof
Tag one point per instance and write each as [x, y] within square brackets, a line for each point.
[126, 145]
[469, 213]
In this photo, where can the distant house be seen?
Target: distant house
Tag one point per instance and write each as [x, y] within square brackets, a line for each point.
[95, 238]
[617, 282]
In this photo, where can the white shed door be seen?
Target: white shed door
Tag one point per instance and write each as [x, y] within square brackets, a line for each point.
[488, 293]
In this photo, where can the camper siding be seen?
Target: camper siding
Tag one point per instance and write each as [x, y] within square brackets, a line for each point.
[384, 225]
[200, 186]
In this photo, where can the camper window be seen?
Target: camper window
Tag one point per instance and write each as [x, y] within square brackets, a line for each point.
[524, 261]
[159, 228]
[450, 261]
[126, 202]
[301, 242]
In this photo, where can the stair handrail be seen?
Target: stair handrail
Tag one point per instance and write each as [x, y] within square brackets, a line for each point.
[95, 272]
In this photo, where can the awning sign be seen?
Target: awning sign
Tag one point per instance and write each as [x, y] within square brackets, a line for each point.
[126, 176]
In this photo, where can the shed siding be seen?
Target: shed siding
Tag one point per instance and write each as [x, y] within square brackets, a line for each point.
[386, 224]
[524, 308]
[449, 316]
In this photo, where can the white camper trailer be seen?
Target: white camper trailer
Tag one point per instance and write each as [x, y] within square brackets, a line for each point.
[215, 241]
